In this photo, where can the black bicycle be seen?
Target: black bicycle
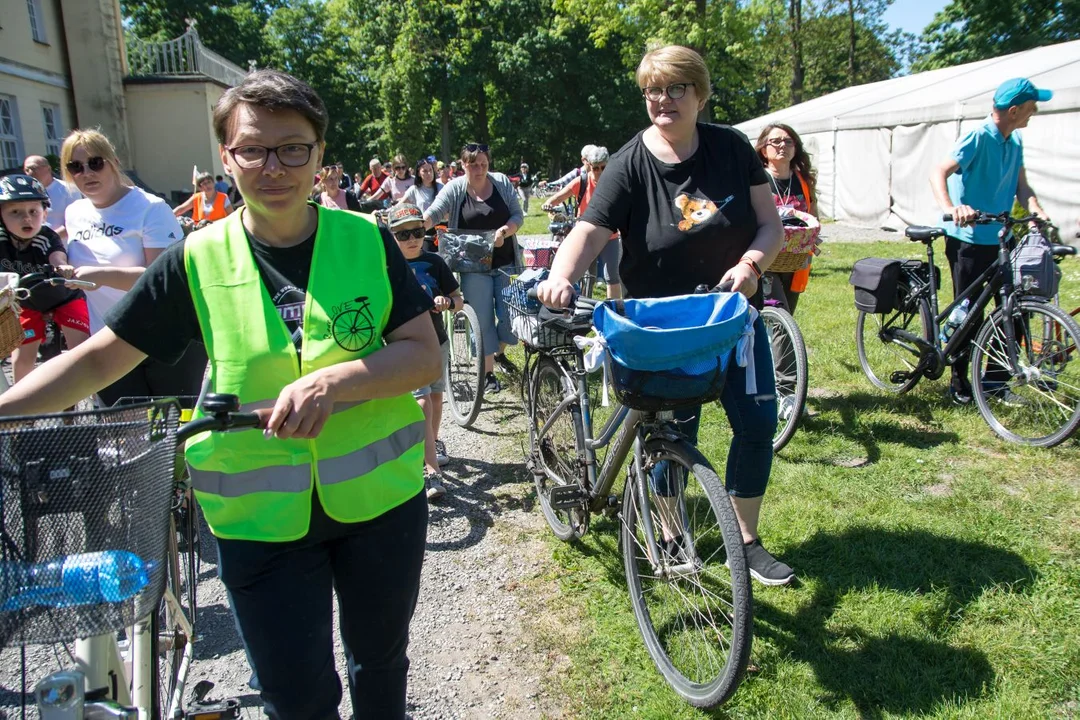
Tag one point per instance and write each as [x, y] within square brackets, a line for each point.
[1025, 371]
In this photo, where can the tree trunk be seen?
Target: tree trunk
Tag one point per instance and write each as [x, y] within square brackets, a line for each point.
[851, 43]
[444, 121]
[482, 116]
[797, 71]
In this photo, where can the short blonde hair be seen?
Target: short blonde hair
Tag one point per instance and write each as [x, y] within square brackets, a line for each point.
[672, 64]
[96, 145]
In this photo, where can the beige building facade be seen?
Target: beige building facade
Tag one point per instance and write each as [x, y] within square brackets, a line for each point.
[64, 64]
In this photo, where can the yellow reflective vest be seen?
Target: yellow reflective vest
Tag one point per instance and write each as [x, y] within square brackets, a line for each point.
[369, 456]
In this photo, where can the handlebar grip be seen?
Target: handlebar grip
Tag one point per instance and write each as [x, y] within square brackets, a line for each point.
[531, 293]
[725, 286]
[232, 421]
[947, 217]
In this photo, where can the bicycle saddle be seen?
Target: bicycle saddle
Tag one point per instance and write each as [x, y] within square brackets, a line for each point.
[1062, 250]
[923, 233]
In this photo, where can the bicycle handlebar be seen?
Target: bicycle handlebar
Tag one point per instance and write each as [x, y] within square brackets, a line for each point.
[1001, 218]
[221, 422]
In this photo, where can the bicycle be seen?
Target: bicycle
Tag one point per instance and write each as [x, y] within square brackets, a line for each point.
[1023, 375]
[562, 221]
[682, 552]
[76, 487]
[789, 369]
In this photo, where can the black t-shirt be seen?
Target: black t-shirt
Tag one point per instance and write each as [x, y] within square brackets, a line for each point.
[435, 277]
[489, 214]
[788, 192]
[158, 315]
[34, 258]
[682, 224]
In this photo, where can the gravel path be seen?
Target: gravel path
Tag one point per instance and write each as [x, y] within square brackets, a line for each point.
[472, 644]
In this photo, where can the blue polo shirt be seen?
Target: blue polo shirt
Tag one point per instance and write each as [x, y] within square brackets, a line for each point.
[989, 172]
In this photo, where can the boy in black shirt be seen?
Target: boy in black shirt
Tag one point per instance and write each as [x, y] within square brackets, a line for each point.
[28, 246]
[406, 222]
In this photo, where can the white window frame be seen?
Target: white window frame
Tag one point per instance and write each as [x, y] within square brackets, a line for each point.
[11, 150]
[37, 20]
[54, 140]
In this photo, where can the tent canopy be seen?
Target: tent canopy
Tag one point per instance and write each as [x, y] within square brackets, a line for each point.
[875, 145]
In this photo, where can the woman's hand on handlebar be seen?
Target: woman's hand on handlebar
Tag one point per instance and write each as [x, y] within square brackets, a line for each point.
[742, 279]
[301, 410]
[556, 293]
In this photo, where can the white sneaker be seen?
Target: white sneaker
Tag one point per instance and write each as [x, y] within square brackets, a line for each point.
[434, 486]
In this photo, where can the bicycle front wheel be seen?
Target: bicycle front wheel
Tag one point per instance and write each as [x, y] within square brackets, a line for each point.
[465, 366]
[789, 369]
[887, 359]
[170, 626]
[690, 588]
[557, 452]
[1039, 403]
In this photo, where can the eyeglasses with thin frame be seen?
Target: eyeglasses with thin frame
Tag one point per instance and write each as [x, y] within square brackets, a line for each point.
[406, 235]
[781, 142]
[252, 157]
[673, 91]
[476, 147]
[76, 167]
[599, 167]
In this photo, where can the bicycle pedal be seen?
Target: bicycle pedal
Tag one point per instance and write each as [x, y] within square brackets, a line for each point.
[214, 710]
[899, 377]
[614, 506]
[565, 497]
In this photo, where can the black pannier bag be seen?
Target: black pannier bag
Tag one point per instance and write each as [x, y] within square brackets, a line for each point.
[1034, 270]
[876, 282]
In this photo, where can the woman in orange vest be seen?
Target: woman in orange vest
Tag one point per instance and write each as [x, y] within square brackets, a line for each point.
[205, 204]
[793, 182]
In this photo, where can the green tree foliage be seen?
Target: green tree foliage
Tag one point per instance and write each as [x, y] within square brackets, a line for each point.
[970, 30]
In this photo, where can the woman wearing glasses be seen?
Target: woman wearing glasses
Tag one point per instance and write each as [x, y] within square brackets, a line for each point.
[792, 180]
[692, 204]
[582, 188]
[114, 233]
[483, 200]
[395, 186]
[330, 498]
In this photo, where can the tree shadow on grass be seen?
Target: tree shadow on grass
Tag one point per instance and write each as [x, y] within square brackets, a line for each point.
[894, 672]
[906, 424]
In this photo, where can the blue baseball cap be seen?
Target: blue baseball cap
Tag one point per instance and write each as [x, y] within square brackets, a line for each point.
[1017, 92]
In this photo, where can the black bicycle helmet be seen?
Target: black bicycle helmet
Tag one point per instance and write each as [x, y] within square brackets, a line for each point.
[19, 188]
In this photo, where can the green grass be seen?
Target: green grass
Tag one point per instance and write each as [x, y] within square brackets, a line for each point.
[536, 220]
[938, 566]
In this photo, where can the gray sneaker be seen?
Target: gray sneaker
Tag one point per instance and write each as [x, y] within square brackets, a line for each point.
[764, 568]
[440, 454]
[434, 486]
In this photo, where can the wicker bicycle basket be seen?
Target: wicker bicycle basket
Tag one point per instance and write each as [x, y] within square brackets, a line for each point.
[84, 520]
[11, 332]
[799, 242]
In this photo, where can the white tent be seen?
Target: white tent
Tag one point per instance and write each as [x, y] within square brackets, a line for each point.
[874, 145]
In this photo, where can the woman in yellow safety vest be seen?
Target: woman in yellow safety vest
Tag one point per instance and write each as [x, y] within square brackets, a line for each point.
[205, 204]
[313, 317]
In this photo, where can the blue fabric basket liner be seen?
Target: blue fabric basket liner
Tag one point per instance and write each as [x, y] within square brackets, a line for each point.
[687, 333]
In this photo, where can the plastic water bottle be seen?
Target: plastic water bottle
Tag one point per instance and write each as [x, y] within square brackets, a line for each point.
[82, 579]
[955, 319]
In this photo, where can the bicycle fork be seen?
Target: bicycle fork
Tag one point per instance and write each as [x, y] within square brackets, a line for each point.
[671, 511]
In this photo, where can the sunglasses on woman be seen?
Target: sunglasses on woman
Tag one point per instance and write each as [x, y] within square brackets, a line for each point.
[406, 235]
[400, 167]
[76, 167]
[476, 147]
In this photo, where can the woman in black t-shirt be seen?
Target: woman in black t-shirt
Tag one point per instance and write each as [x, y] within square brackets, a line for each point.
[693, 206]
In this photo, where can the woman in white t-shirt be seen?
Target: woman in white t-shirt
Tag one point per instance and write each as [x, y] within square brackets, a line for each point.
[114, 233]
[400, 180]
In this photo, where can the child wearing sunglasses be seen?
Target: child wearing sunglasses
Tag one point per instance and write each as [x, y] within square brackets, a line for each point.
[406, 223]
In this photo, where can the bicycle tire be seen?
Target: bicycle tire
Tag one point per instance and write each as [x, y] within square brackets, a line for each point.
[169, 641]
[560, 451]
[1041, 406]
[790, 368]
[892, 354]
[465, 366]
[728, 579]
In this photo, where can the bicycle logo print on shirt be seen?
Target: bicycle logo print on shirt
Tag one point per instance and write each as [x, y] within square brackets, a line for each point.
[351, 325]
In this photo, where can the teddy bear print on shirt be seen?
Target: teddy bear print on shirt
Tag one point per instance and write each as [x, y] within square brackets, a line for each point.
[695, 211]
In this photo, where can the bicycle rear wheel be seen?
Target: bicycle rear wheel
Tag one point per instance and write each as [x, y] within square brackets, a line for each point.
[557, 454]
[1040, 404]
[465, 366]
[693, 602]
[888, 360]
[790, 371]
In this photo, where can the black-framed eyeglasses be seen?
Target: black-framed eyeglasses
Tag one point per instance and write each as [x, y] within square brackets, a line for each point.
[781, 142]
[76, 167]
[406, 235]
[476, 147]
[673, 91]
[401, 167]
[251, 157]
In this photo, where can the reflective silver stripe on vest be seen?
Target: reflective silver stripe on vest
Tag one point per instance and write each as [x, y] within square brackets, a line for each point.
[276, 478]
[362, 461]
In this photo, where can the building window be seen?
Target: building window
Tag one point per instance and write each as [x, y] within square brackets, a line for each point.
[10, 144]
[54, 128]
[37, 20]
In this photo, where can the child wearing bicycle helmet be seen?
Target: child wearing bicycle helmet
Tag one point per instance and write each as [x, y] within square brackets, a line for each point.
[28, 246]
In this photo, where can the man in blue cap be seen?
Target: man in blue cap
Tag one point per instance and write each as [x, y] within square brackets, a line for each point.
[984, 172]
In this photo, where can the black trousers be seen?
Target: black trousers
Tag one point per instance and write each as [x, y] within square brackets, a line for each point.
[282, 594]
[966, 263]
